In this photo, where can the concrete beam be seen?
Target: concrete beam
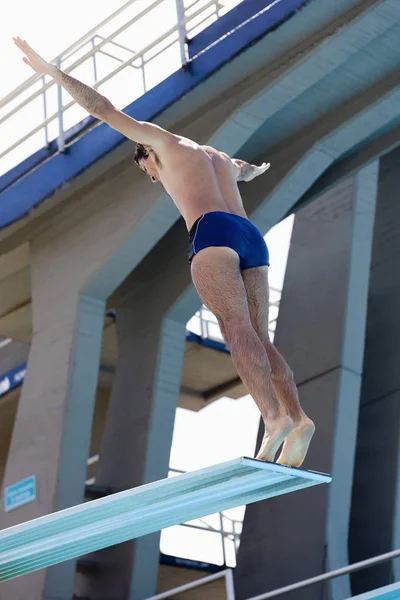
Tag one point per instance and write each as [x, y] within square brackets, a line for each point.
[375, 524]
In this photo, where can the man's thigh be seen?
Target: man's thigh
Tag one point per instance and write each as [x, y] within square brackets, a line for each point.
[257, 292]
[219, 283]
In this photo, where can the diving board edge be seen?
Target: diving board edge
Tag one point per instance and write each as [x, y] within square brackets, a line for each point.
[286, 470]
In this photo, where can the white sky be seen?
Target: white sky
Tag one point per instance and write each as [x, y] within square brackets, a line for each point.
[227, 428]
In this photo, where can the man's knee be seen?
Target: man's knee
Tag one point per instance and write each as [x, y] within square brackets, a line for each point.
[233, 326]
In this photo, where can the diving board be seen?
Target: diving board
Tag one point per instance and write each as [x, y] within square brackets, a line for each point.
[389, 592]
[132, 513]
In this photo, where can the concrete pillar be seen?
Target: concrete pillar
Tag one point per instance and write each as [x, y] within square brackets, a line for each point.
[99, 419]
[321, 333]
[375, 524]
[51, 435]
[8, 410]
[136, 443]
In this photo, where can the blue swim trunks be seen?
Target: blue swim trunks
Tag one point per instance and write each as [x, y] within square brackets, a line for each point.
[232, 231]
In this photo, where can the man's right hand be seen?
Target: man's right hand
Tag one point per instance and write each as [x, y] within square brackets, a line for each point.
[32, 58]
[256, 171]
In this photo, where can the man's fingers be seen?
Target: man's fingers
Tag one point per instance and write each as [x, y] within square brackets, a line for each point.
[23, 45]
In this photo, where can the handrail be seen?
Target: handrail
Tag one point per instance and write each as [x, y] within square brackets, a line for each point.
[369, 562]
[65, 54]
[4, 341]
[88, 55]
[188, 19]
[227, 574]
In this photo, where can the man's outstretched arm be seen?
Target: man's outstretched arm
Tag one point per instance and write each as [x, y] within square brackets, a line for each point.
[246, 171]
[95, 103]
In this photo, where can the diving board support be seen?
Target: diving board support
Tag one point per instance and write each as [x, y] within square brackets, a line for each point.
[133, 513]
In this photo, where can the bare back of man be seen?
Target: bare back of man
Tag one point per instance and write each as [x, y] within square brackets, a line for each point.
[197, 178]
[228, 256]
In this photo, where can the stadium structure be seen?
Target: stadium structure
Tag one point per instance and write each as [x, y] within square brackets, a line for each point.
[95, 297]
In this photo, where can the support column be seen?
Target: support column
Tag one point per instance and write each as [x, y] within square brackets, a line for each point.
[51, 435]
[321, 334]
[375, 518]
[136, 443]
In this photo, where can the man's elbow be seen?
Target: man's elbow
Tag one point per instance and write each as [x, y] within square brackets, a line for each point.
[104, 109]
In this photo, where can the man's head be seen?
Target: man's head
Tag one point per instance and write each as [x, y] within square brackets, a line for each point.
[147, 161]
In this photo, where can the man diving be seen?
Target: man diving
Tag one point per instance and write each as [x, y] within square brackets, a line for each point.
[228, 256]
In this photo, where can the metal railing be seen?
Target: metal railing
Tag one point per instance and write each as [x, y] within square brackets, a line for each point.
[205, 324]
[132, 70]
[235, 524]
[290, 588]
[5, 341]
[229, 586]
[331, 575]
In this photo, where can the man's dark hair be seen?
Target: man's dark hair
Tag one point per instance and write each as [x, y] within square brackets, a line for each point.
[141, 153]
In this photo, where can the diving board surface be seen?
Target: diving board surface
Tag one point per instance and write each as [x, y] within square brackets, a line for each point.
[389, 592]
[132, 513]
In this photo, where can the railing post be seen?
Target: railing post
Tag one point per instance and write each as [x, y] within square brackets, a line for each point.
[203, 324]
[143, 75]
[235, 539]
[221, 522]
[46, 136]
[180, 13]
[60, 141]
[94, 59]
[230, 586]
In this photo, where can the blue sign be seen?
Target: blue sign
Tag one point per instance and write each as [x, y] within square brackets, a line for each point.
[20, 493]
[12, 379]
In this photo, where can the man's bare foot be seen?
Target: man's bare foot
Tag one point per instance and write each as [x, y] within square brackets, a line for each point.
[296, 444]
[275, 432]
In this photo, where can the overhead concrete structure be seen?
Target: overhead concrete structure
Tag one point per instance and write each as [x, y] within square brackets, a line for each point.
[315, 92]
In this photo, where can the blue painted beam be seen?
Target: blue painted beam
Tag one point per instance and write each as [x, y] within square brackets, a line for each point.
[206, 342]
[269, 11]
[188, 563]
[12, 379]
[43, 154]
[91, 526]
[193, 337]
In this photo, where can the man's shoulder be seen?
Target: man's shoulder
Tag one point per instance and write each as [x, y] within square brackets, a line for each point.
[214, 152]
